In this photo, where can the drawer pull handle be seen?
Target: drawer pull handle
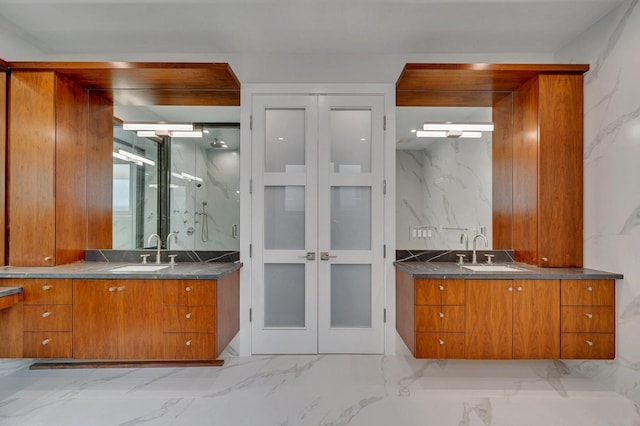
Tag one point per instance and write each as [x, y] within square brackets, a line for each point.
[510, 289]
[188, 289]
[589, 342]
[45, 314]
[188, 315]
[519, 288]
[588, 315]
[121, 288]
[112, 289]
[46, 341]
[46, 287]
[441, 314]
[441, 341]
[188, 343]
[589, 288]
[441, 288]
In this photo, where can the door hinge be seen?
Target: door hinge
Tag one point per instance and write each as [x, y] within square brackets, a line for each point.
[384, 122]
[384, 251]
[250, 250]
[384, 186]
[250, 186]
[384, 315]
[251, 122]
[250, 315]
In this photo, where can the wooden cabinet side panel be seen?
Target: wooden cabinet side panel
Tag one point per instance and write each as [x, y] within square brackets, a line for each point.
[227, 309]
[536, 319]
[11, 331]
[405, 309]
[488, 319]
[525, 173]
[3, 159]
[502, 170]
[99, 185]
[71, 171]
[30, 168]
[561, 169]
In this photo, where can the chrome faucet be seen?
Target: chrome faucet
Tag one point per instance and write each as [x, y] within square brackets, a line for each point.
[175, 237]
[464, 239]
[474, 259]
[159, 243]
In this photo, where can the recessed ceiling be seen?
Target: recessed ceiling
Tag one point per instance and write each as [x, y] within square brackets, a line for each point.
[201, 27]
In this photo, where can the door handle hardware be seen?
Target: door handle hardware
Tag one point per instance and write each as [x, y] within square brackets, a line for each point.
[311, 255]
[588, 315]
[325, 256]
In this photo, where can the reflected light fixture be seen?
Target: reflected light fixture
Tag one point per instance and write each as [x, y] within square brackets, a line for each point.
[135, 158]
[186, 127]
[449, 129]
[186, 134]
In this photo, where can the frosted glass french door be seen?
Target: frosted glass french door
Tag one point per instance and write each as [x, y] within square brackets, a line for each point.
[317, 220]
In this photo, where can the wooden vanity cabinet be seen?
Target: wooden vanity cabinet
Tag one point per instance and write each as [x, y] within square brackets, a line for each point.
[513, 319]
[588, 319]
[47, 318]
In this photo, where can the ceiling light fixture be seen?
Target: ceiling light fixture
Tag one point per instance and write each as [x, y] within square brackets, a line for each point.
[184, 134]
[451, 134]
[146, 133]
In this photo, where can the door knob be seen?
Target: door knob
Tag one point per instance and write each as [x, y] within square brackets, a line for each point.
[311, 255]
[325, 256]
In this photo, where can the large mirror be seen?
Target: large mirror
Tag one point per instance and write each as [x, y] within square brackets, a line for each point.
[443, 184]
[188, 186]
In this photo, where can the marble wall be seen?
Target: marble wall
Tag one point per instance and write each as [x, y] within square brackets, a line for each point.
[446, 185]
[611, 177]
[219, 170]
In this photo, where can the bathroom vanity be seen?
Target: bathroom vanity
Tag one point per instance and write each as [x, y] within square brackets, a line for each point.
[444, 310]
[97, 310]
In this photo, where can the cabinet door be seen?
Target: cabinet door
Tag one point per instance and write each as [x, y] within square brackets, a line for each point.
[96, 322]
[117, 319]
[536, 319]
[489, 313]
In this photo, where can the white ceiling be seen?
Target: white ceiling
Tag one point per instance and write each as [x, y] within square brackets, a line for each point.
[108, 27]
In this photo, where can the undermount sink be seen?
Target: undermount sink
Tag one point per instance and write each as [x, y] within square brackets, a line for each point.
[493, 268]
[139, 268]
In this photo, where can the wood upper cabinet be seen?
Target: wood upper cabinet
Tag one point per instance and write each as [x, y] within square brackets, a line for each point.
[117, 319]
[517, 319]
[47, 163]
[548, 171]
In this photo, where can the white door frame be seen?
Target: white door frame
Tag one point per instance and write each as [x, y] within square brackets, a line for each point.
[242, 343]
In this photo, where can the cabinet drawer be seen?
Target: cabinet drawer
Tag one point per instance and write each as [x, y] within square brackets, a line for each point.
[440, 345]
[594, 319]
[189, 318]
[189, 346]
[440, 318]
[189, 292]
[48, 318]
[588, 346]
[46, 292]
[440, 292]
[587, 292]
[47, 344]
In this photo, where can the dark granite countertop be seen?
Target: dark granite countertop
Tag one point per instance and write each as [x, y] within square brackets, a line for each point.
[452, 270]
[104, 270]
[8, 291]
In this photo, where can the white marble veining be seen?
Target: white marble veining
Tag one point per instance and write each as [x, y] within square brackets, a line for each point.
[316, 390]
[611, 176]
[446, 185]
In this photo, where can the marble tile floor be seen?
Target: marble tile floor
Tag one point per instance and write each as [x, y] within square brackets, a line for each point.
[316, 390]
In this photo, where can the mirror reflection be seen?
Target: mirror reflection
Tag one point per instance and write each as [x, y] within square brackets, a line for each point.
[188, 185]
[443, 184]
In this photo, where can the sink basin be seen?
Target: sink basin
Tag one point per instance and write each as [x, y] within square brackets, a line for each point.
[139, 268]
[493, 268]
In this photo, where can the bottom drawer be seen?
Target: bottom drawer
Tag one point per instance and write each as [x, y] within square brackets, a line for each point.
[201, 346]
[588, 346]
[47, 344]
[439, 345]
